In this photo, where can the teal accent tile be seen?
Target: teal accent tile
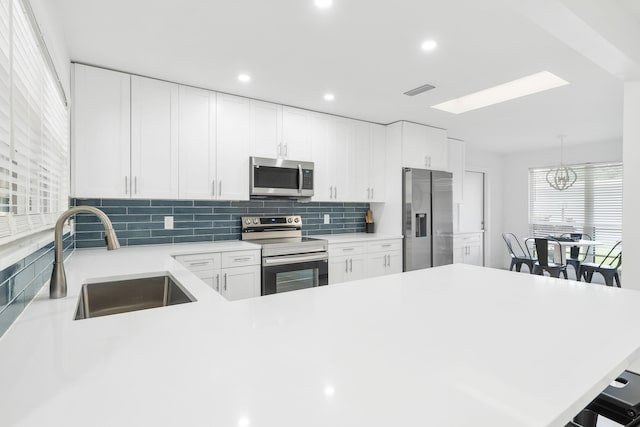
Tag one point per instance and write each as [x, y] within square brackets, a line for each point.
[192, 210]
[213, 203]
[145, 226]
[125, 202]
[172, 202]
[150, 241]
[151, 211]
[184, 239]
[174, 232]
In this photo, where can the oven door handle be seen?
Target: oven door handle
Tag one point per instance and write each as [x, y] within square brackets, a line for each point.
[295, 259]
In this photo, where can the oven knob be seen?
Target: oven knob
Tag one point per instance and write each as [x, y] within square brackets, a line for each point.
[255, 221]
[247, 221]
[295, 220]
[289, 220]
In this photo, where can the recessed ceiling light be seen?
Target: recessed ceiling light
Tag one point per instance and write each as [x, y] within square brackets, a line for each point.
[429, 45]
[323, 4]
[329, 97]
[514, 89]
[244, 78]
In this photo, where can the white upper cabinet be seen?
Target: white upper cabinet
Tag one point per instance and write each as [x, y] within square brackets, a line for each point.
[296, 134]
[377, 167]
[197, 136]
[101, 132]
[344, 157]
[266, 130]
[424, 147]
[154, 138]
[233, 141]
[457, 160]
[323, 150]
[360, 155]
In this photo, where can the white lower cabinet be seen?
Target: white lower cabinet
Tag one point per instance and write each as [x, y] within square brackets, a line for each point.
[360, 260]
[468, 248]
[236, 275]
[384, 257]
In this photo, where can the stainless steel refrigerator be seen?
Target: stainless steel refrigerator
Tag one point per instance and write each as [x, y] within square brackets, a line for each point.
[427, 218]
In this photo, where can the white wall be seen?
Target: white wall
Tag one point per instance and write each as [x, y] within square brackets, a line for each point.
[492, 165]
[50, 24]
[516, 179]
[631, 202]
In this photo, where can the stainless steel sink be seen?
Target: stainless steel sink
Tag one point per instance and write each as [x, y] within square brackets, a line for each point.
[121, 296]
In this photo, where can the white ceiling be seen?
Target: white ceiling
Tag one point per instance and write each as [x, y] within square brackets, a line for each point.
[365, 52]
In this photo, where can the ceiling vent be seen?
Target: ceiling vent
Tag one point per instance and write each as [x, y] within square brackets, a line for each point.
[419, 90]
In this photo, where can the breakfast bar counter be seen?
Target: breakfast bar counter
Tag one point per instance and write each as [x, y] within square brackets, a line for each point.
[450, 346]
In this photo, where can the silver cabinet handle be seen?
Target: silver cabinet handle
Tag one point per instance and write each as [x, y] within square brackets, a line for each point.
[286, 150]
[336, 193]
[299, 178]
[389, 263]
[371, 193]
[126, 184]
[218, 282]
[346, 265]
[331, 192]
[387, 245]
[385, 261]
[135, 184]
[220, 189]
[213, 187]
[225, 281]
[351, 265]
[347, 249]
[279, 149]
[247, 258]
[368, 193]
[193, 264]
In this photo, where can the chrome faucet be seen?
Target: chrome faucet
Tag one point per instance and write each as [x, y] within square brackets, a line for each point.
[58, 283]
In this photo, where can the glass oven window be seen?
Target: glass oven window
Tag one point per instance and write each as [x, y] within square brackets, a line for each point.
[293, 280]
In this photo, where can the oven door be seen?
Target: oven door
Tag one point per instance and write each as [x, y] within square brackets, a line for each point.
[292, 272]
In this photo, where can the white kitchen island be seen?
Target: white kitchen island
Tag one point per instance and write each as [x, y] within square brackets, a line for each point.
[450, 346]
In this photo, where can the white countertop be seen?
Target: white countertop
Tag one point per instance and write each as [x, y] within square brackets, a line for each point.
[449, 346]
[357, 237]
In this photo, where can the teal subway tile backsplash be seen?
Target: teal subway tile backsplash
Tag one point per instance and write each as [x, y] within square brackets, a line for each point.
[20, 282]
[141, 222]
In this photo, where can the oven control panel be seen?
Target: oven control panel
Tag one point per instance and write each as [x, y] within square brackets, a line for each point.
[266, 222]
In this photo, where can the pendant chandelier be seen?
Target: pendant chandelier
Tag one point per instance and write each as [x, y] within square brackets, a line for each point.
[561, 177]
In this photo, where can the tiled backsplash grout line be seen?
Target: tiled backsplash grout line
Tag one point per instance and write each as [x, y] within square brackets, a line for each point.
[140, 222]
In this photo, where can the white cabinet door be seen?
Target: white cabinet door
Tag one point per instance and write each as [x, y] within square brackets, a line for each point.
[357, 267]
[296, 134]
[377, 264]
[154, 138]
[456, 167]
[377, 161]
[233, 135]
[338, 269]
[324, 153]
[266, 129]
[101, 132]
[360, 155]
[437, 151]
[474, 255]
[395, 263]
[241, 282]
[343, 189]
[197, 159]
[424, 147]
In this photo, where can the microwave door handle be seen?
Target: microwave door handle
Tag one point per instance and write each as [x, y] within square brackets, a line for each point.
[299, 178]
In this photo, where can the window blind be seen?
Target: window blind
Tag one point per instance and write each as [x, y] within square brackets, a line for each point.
[593, 205]
[34, 165]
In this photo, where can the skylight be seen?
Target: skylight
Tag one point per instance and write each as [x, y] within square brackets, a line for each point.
[514, 89]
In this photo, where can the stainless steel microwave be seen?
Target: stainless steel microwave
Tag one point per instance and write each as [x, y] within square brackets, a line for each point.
[280, 178]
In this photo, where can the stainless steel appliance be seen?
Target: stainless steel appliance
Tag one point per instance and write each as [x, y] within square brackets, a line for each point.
[427, 218]
[280, 178]
[289, 261]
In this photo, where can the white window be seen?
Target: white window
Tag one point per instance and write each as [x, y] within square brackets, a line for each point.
[34, 166]
[593, 205]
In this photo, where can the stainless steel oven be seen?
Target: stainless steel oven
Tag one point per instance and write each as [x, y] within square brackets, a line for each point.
[280, 178]
[289, 261]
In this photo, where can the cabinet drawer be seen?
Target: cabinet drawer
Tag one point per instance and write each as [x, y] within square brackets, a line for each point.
[385, 246]
[240, 258]
[347, 249]
[200, 262]
[467, 239]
